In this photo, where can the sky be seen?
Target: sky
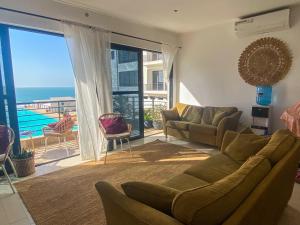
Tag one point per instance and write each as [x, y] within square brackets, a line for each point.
[40, 60]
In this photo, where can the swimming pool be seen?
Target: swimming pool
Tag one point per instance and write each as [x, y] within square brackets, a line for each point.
[34, 122]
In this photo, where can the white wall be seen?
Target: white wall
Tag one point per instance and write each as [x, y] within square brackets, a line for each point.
[66, 12]
[208, 70]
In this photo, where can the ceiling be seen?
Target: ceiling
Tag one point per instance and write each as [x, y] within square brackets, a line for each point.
[192, 14]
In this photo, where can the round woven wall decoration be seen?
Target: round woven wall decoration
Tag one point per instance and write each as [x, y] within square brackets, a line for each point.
[265, 62]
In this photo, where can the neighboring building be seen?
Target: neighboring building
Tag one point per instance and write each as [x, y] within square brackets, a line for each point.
[154, 84]
[125, 73]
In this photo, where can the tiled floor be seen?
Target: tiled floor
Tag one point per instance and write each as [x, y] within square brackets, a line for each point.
[13, 211]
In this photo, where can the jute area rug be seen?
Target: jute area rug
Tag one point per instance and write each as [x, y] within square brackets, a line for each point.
[68, 196]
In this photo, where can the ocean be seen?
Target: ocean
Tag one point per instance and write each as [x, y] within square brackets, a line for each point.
[29, 94]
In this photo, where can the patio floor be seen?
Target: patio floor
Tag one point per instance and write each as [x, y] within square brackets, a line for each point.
[55, 152]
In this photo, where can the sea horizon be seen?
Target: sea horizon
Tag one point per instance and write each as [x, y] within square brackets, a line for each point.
[29, 94]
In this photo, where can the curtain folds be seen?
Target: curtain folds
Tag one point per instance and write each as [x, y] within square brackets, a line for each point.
[89, 50]
[168, 55]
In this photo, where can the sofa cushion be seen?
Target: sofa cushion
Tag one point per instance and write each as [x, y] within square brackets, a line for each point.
[279, 144]
[181, 125]
[184, 182]
[157, 196]
[209, 113]
[213, 168]
[244, 146]
[218, 116]
[203, 129]
[212, 204]
[230, 135]
[193, 114]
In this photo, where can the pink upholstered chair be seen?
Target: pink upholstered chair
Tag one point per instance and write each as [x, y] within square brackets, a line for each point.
[7, 137]
[113, 127]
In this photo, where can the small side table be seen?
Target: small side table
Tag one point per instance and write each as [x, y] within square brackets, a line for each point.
[28, 133]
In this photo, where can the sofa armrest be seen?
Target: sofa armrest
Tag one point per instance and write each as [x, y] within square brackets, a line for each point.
[227, 123]
[120, 209]
[157, 196]
[166, 115]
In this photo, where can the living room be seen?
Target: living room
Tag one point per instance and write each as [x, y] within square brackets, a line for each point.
[226, 146]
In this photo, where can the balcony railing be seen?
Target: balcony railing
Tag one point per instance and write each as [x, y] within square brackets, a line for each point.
[159, 86]
[33, 116]
[150, 56]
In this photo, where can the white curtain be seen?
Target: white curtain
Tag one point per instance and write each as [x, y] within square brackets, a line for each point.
[89, 50]
[168, 55]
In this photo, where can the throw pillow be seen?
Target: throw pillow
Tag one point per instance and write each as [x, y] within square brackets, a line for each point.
[219, 115]
[157, 196]
[281, 142]
[244, 146]
[115, 125]
[193, 114]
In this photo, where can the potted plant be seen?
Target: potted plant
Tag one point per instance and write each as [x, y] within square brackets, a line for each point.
[157, 119]
[148, 120]
[24, 162]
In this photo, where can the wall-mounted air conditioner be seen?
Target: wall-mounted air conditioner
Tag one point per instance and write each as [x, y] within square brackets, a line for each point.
[265, 23]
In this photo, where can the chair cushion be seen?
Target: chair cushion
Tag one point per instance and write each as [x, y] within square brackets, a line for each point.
[157, 196]
[4, 139]
[193, 114]
[212, 204]
[184, 182]
[64, 125]
[114, 125]
[244, 146]
[213, 168]
[203, 129]
[181, 125]
[279, 144]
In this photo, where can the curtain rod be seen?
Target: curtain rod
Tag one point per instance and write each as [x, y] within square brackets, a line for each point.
[80, 24]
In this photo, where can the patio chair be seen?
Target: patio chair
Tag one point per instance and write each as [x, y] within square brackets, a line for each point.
[113, 127]
[7, 137]
[61, 129]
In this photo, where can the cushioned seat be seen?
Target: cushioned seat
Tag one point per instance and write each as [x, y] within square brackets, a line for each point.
[180, 125]
[203, 129]
[212, 204]
[214, 168]
[184, 182]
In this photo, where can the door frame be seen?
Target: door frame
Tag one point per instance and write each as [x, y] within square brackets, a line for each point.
[140, 91]
[8, 74]
[9, 96]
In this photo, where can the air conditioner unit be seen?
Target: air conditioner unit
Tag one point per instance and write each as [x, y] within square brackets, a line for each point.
[265, 23]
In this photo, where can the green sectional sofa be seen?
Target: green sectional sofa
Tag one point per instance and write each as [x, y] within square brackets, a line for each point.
[219, 190]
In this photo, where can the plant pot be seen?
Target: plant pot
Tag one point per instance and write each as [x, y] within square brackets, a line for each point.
[148, 123]
[157, 124]
[24, 167]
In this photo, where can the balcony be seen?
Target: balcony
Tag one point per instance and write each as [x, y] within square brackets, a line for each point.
[34, 116]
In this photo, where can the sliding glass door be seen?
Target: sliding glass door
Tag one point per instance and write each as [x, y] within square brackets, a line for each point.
[127, 86]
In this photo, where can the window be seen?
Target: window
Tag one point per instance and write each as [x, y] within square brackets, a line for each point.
[126, 56]
[128, 78]
[158, 80]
